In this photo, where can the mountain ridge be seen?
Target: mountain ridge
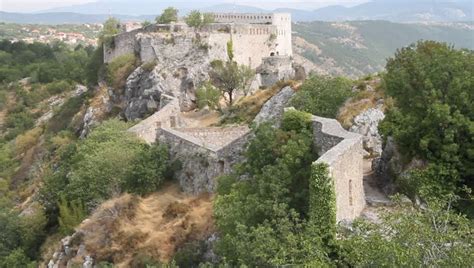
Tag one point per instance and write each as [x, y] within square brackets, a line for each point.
[395, 11]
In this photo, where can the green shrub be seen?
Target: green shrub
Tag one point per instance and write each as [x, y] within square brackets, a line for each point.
[191, 254]
[262, 219]
[71, 214]
[62, 118]
[149, 66]
[294, 120]
[208, 95]
[17, 259]
[58, 87]
[18, 121]
[322, 96]
[119, 69]
[148, 170]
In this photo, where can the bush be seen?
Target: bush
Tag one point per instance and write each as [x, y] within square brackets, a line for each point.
[295, 120]
[17, 259]
[322, 96]
[58, 87]
[119, 69]
[149, 66]
[71, 214]
[148, 169]
[18, 121]
[263, 219]
[208, 95]
[62, 118]
[26, 141]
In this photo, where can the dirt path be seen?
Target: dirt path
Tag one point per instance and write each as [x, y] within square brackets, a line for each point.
[374, 196]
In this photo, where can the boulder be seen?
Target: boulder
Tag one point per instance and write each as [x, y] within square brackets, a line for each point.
[367, 124]
[273, 109]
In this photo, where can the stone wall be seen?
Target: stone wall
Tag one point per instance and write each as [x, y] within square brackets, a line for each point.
[202, 162]
[342, 152]
[274, 69]
[147, 129]
[259, 36]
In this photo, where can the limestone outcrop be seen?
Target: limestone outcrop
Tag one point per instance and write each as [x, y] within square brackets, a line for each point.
[178, 68]
[273, 109]
[367, 124]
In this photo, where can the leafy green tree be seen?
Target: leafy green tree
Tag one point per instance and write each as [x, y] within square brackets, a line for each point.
[322, 96]
[169, 15]
[111, 28]
[17, 259]
[433, 116]
[230, 77]
[263, 220]
[197, 19]
[148, 170]
[435, 236]
[194, 19]
[146, 23]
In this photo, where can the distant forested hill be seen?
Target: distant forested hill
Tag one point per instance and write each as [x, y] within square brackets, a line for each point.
[360, 47]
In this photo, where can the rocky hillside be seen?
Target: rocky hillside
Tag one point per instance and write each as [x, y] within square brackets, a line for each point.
[362, 47]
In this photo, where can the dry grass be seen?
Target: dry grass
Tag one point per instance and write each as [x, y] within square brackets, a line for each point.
[246, 108]
[363, 101]
[154, 226]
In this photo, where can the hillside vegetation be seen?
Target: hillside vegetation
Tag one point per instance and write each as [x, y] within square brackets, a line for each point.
[356, 48]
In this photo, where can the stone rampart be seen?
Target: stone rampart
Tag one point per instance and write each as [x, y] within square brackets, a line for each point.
[342, 152]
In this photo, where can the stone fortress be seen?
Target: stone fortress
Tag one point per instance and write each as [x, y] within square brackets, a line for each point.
[254, 36]
[183, 56]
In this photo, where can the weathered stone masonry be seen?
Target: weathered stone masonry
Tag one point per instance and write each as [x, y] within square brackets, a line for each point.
[204, 154]
[342, 152]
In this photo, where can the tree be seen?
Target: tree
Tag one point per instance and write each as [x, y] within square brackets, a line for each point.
[433, 115]
[169, 15]
[146, 23]
[263, 220]
[194, 19]
[197, 19]
[229, 76]
[322, 96]
[435, 236]
[111, 28]
[148, 170]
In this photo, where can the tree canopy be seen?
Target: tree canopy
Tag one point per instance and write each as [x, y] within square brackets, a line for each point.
[432, 85]
[169, 15]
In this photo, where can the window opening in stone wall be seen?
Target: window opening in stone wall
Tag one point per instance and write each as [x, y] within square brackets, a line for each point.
[351, 201]
[221, 166]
